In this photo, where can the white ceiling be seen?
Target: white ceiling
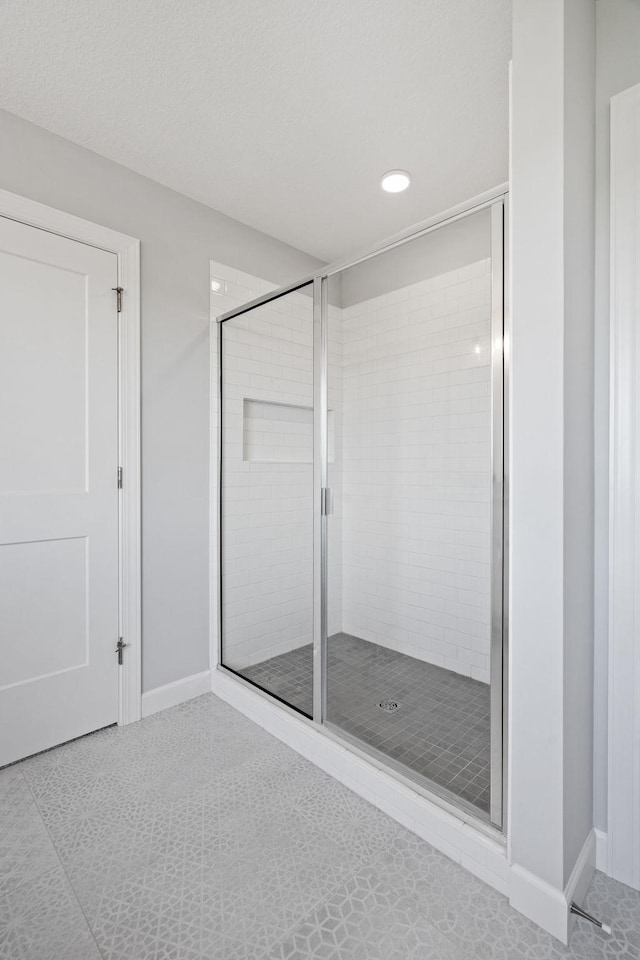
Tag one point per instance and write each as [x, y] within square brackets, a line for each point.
[281, 113]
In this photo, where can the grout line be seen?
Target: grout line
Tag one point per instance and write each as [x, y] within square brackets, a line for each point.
[62, 866]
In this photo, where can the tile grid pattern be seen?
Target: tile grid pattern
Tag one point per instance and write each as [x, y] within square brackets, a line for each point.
[267, 525]
[195, 835]
[267, 477]
[40, 914]
[441, 730]
[416, 469]
[409, 377]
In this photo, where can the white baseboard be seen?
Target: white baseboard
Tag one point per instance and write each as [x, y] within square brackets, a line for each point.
[602, 851]
[539, 901]
[477, 850]
[171, 694]
[547, 905]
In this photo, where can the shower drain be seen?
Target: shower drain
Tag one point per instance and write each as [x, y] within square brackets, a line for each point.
[389, 705]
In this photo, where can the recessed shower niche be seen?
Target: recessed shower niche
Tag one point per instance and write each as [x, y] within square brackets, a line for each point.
[280, 432]
[362, 510]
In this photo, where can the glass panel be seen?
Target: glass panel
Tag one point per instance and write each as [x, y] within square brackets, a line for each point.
[409, 550]
[267, 497]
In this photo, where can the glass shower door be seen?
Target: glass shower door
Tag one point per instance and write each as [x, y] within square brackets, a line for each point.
[414, 605]
[267, 500]
[362, 509]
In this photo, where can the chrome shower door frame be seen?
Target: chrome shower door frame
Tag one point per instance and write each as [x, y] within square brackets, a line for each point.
[320, 479]
[498, 522]
[496, 202]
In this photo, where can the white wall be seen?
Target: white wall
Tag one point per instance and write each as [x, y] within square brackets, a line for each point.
[551, 521]
[416, 462]
[536, 527]
[617, 68]
[178, 238]
[578, 347]
[443, 250]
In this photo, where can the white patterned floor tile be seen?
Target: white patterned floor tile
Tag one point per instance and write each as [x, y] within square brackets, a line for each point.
[366, 920]
[26, 850]
[195, 835]
[41, 920]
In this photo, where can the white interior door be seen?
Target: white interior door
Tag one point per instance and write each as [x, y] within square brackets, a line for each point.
[58, 490]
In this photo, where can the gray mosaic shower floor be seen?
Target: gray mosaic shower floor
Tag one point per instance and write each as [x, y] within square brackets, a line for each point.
[195, 835]
[439, 731]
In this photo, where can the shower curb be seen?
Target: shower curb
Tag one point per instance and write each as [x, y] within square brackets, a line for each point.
[478, 848]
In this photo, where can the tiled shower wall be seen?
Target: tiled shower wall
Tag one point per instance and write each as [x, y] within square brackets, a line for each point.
[409, 377]
[267, 479]
[416, 470]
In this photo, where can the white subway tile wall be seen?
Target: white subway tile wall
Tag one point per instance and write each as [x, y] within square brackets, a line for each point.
[282, 432]
[409, 379]
[335, 470]
[277, 432]
[416, 470]
[267, 526]
[267, 431]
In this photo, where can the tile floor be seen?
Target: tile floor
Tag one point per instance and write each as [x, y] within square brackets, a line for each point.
[441, 729]
[195, 835]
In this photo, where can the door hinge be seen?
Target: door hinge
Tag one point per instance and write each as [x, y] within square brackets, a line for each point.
[119, 649]
[119, 478]
[118, 291]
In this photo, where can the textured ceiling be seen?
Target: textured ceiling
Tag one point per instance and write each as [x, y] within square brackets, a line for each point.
[280, 113]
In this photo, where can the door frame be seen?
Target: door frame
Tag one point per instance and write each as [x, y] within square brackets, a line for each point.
[127, 251]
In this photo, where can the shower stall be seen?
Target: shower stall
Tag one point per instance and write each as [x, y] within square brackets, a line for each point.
[362, 516]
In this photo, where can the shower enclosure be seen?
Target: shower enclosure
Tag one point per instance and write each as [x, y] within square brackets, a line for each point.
[362, 503]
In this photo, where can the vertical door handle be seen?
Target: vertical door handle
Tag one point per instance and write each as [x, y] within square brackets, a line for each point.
[326, 502]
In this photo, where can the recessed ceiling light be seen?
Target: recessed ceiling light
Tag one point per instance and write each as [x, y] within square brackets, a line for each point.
[218, 286]
[395, 181]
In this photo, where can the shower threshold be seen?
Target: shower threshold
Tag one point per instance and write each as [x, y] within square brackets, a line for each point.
[427, 722]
